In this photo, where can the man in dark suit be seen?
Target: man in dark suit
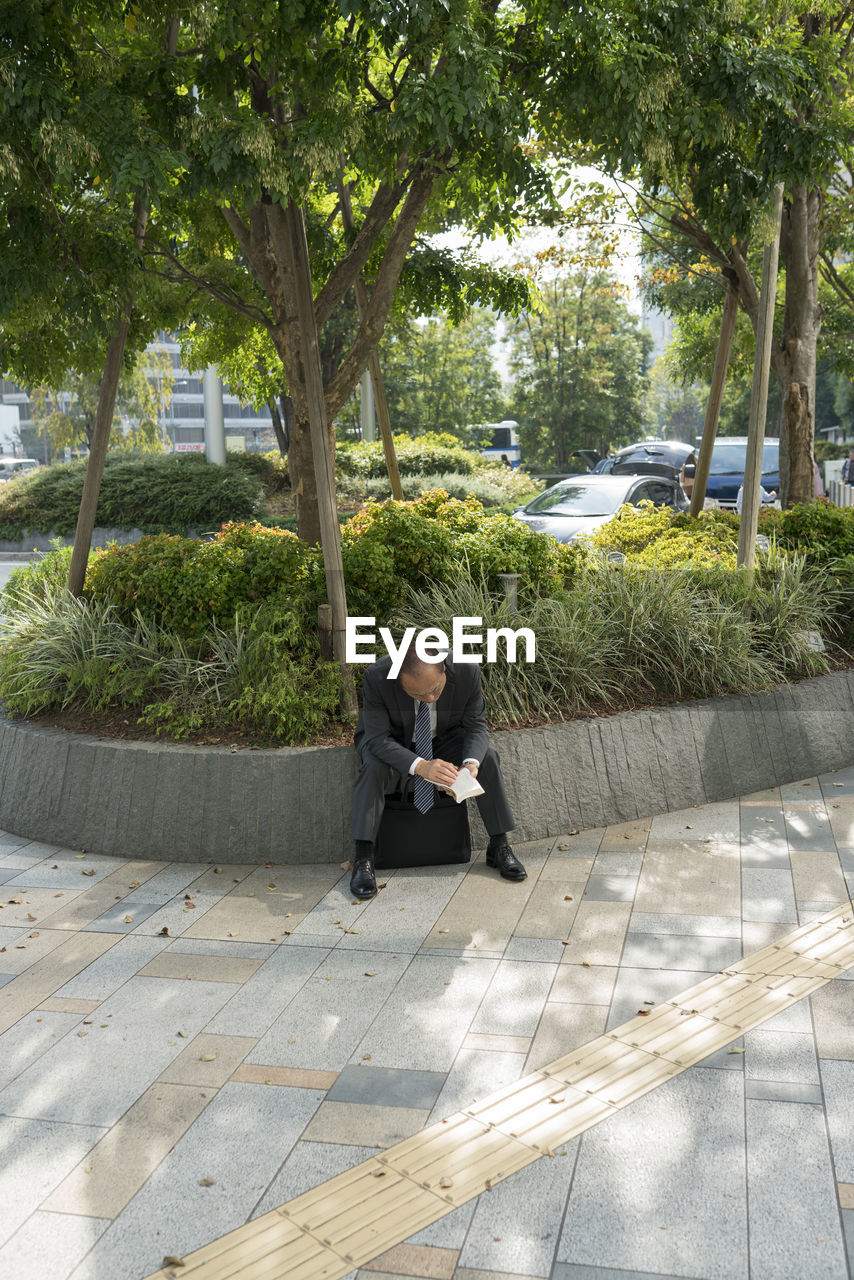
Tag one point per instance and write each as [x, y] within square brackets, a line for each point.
[427, 722]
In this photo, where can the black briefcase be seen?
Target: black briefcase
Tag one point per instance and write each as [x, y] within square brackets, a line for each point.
[408, 838]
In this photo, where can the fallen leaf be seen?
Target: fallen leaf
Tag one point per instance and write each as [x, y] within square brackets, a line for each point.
[189, 906]
[207, 1182]
[343, 930]
[134, 884]
[563, 846]
[128, 919]
[78, 856]
[233, 935]
[15, 902]
[560, 1098]
[573, 831]
[345, 866]
[379, 1173]
[88, 873]
[217, 871]
[292, 1040]
[269, 864]
[366, 1057]
[336, 921]
[183, 1035]
[271, 885]
[31, 917]
[736, 1049]
[444, 1183]
[369, 975]
[442, 930]
[82, 1033]
[565, 942]
[488, 1184]
[59, 895]
[689, 827]
[208, 1057]
[649, 1002]
[643, 1013]
[164, 932]
[567, 897]
[87, 1022]
[586, 964]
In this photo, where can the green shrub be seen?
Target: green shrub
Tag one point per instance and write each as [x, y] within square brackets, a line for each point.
[154, 493]
[495, 487]
[57, 651]
[819, 529]
[39, 576]
[271, 469]
[430, 454]
[392, 545]
[657, 537]
[185, 584]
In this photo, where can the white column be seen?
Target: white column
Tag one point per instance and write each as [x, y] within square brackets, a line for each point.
[214, 417]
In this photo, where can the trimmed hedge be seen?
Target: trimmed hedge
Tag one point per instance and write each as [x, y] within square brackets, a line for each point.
[155, 493]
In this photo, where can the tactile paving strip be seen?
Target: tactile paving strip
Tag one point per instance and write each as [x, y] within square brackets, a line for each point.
[347, 1221]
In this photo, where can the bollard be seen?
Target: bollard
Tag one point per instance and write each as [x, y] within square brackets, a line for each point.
[510, 583]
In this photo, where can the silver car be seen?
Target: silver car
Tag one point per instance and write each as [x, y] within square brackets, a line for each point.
[582, 504]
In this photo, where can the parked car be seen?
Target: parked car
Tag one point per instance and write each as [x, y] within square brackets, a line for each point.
[581, 505]
[726, 474]
[671, 452]
[12, 467]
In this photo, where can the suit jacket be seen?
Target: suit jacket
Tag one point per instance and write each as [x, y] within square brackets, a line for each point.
[387, 720]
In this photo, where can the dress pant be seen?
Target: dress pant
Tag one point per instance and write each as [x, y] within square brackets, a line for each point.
[376, 780]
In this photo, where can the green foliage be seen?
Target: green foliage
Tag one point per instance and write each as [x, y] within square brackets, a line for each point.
[656, 537]
[57, 652]
[38, 577]
[580, 366]
[824, 533]
[390, 546]
[416, 456]
[153, 493]
[494, 486]
[185, 585]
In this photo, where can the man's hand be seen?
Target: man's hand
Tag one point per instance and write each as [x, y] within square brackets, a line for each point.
[439, 772]
[472, 767]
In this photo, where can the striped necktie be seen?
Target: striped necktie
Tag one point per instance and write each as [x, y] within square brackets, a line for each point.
[424, 793]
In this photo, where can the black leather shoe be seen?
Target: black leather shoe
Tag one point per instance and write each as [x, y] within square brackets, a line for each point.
[363, 882]
[503, 858]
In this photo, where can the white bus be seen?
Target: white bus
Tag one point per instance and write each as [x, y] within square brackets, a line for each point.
[503, 443]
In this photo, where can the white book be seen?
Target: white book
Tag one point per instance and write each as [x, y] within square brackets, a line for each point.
[465, 786]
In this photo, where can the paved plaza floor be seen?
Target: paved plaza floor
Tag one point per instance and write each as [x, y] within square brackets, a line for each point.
[187, 1046]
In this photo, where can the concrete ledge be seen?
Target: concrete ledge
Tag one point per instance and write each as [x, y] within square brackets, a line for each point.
[167, 801]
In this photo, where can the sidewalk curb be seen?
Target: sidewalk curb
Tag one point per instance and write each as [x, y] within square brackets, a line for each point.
[166, 800]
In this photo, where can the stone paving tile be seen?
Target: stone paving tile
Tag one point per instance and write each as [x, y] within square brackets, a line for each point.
[579, 844]
[416, 1260]
[622, 862]
[598, 933]
[261, 1000]
[111, 970]
[177, 916]
[428, 1014]
[404, 915]
[175, 964]
[564, 1027]
[8, 873]
[217, 947]
[118, 1061]
[387, 1087]
[809, 830]
[505, 1235]
[696, 926]
[718, 822]
[674, 1205]
[364, 1124]
[30, 908]
[780, 1055]
[324, 1022]
[239, 1141]
[550, 910]
[255, 914]
[173, 879]
[817, 877]
[49, 1245]
[485, 910]
[841, 815]
[65, 872]
[845, 1192]
[115, 1169]
[37, 1155]
[498, 1044]
[768, 896]
[807, 791]
[122, 918]
[837, 1079]
[30, 945]
[49, 973]
[64, 1004]
[690, 879]
[309, 1165]
[848, 1229]
[833, 1017]
[782, 1091]
[770, 796]
[566, 866]
[788, 1162]
[679, 951]
[515, 998]
[634, 987]
[609, 888]
[548, 950]
[81, 910]
[208, 1061]
[626, 835]
[469, 1273]
[285, 1077]
[476, 1074]
[29, 1038]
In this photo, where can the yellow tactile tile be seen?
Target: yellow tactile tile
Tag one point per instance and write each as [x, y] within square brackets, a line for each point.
[348, 1221]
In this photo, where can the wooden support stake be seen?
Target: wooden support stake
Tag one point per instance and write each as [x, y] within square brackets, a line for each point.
[759, 394]
[713, 404]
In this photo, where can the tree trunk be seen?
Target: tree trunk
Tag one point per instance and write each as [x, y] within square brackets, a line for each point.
[713, 405]
[101, 432]
[796, 361]
[303, 487]
[278, 428]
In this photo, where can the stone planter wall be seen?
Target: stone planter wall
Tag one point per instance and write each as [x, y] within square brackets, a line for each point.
[167, 801]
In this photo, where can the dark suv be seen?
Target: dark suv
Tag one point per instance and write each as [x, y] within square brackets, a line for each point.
[726, 474]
